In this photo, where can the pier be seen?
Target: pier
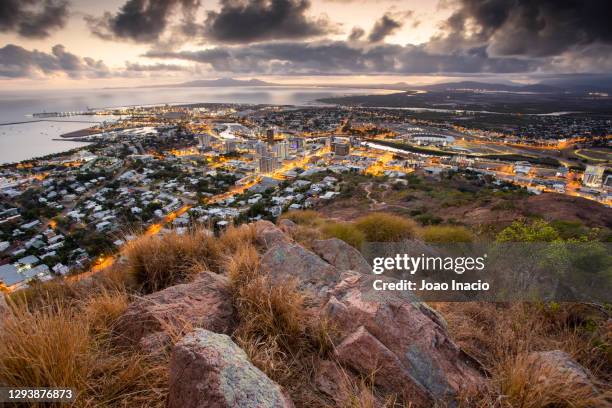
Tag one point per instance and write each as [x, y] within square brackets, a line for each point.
[47, 120]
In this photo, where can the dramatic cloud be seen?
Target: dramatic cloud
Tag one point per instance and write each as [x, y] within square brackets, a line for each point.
[17, 62]
[33, 18]
[384, 27]
[298, 58]
[356, 34]
[246, 21]
[537, 28]
[143, 20]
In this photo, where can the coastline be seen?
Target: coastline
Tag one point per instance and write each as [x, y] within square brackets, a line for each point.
[78, 133]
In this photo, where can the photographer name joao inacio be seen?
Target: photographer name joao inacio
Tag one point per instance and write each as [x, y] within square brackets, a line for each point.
[404, 284]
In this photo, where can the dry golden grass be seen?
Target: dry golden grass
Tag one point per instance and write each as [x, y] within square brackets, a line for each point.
[234, 237]
[384, 227]
[502, 335]
[272, 311]
[68, 346]
[156, 262]
[242, 266]
[529, 386]
[47, 294]
[104, 309]
[305, 235]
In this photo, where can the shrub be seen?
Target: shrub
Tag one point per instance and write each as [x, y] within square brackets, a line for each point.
[383, 227]
[155, 262]
[521, 231]
[303, 217]
[428, 219]
[442, 234]
[345, 231]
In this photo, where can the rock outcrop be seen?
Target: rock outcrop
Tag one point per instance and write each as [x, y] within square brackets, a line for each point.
[208, 370]
[400, 341]
[287, 226]
[341, 255]
[290, 260]
[268, 234]
[153, 319]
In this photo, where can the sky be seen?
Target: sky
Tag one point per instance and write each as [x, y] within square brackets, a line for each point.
[85, 43]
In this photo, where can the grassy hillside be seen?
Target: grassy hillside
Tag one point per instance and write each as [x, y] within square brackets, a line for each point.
[61, 333]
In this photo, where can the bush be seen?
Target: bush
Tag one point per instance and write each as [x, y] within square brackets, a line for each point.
[521, 231]
[345, 231]
[383, 227]
[303, 217]
[442, 234]
[428, 219]
[154, 262]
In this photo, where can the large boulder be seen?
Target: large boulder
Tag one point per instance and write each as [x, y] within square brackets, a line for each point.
[558, 366]
[267, 234]
[401, 342]
[286, 260]
[153, 320]
[209, 370]
[287, 226]
[341, 255]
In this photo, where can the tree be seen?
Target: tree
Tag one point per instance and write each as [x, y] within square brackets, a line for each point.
[521, 231]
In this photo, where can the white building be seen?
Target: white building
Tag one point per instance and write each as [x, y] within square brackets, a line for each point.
[593, 176]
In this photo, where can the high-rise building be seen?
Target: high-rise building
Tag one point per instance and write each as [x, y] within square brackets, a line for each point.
[282, 150]
[204, 140]
[270, 135]
[593, 176]
[230, 146]
[261, 149]
[267, 164]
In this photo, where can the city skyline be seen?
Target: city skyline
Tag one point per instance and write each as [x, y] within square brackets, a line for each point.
[78, 43]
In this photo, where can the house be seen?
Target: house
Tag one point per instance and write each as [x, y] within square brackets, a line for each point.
[9, 276]
[27, 262]
[61, 269]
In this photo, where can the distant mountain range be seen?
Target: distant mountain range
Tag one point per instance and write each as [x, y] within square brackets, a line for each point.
[221, 82]
[602, 83]
[491, 87]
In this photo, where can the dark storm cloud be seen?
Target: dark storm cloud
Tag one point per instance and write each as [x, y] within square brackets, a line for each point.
[245, 21]
[528, 27]
[385, 26]
[33, 18]
[356, 34]
[143, 20]
[17, 62]
[298, 58]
